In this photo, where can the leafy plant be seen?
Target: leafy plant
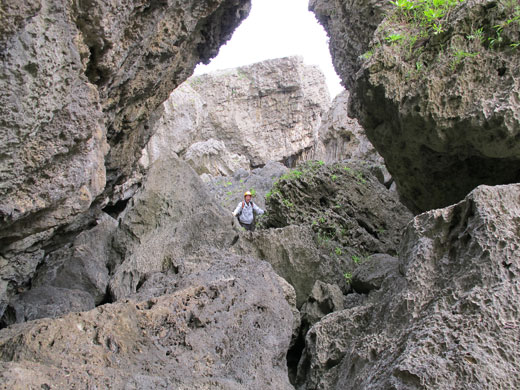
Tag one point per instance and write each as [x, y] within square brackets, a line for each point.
[348, 277]
[460, 55]
[360, 178]
[394, 38]
[338, 251]
[477, 35]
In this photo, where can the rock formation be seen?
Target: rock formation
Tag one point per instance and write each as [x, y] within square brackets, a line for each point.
[227, 327]
[327, 219]
[340, 137]
[248, 116]
[441, 106]
[188, 313]
[78, 78]
[450, 321]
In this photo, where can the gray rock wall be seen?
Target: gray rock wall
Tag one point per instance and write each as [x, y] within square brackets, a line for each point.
[441, 108]
[449, 322]
[243, 117]
[80, 81]
[341, 137]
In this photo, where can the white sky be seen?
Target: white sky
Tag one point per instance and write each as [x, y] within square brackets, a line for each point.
[274, 29]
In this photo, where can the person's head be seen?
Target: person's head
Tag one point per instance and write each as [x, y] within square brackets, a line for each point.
[247, 196]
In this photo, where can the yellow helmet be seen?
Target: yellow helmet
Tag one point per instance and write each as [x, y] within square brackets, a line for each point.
[247, 193]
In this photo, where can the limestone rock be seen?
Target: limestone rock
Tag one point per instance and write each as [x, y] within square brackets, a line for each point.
[326, 219]
[344, 203]
[76, 78]
[227, 327]
[295, 255]
[373, 271]
[212, 157]
[168, 227]
[324, 299]
[341, 137]
[248, 109]
[81, 271]
[442, 127]
[46, 301]
[451, 322]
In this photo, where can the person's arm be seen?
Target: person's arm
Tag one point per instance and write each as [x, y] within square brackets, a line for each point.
[257, 209]
[237, 210]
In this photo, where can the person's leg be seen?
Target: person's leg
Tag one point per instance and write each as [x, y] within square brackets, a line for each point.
[247, 226]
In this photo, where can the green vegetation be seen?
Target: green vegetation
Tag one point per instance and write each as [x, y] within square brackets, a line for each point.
[292, 175]
[338, 251]
[394, 38]
[428, 14]
[367, 55]
[412, 24]
[360, 178]
[287, 203]
[459, 56]
[348, 277]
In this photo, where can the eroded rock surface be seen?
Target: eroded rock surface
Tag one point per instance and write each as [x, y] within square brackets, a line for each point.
[452, 320]
[269, 111]
[442, 109]
[327, 219]
[226, 327]
[168, 228]
[78, 78]
[341, 137]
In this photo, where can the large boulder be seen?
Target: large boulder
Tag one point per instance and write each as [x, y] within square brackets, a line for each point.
[76, 79]
[418, 90]
[249, 110]
[71, 278]
[450, 322]
[344, 203]
[227, 327]
[167, 227]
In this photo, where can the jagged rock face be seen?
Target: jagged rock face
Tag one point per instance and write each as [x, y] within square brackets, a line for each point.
[189, 314]
[250, 110]
[451, 322]
[340, 137]
[444, 115]
[343, 202]
[227, 327]
[229, 191]
[76, 78]
[72, 278]
[168, 228]
[328, 218]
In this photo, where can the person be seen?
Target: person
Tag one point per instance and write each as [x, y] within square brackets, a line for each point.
[246, 211]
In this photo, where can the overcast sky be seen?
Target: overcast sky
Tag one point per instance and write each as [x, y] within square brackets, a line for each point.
[273, 29]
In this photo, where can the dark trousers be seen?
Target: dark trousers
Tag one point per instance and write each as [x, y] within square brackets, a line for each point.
[248, 226]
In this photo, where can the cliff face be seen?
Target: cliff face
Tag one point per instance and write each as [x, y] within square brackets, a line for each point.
[441, 106]
[243, 117]
[447, 320]
[79, 81]
[341, 137]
